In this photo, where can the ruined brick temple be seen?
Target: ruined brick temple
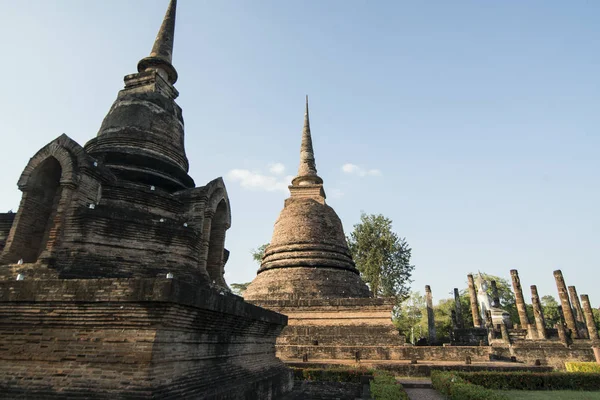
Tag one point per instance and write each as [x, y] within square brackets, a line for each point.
[571, 339]
[111, 271]
[307, 273]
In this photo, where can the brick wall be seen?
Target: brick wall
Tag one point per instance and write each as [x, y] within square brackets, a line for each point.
[135, 338]
[552, 353]
[337, 328]
[6, 221]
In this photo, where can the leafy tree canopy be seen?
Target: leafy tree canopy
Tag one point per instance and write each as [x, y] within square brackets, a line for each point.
[550, 308]
[258, 253]
[596, 313]
[239, 288]
[408, 317]
[382, 257]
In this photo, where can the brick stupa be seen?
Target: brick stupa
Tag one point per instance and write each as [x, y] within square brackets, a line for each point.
[111, 271]
[308, 274]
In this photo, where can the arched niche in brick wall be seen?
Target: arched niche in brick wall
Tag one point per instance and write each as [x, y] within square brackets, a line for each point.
[37, 213]
[217, 219]
[46, 182]
[216, 244]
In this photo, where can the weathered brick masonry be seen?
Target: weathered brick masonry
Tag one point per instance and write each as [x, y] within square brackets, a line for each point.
[135, 338]
[6, 221]
[308, 274]
[112, 270]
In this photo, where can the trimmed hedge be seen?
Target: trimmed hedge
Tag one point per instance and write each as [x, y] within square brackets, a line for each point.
[456, 388]
[384, 387]
[330, 374]
[533, 380]
[583, 367]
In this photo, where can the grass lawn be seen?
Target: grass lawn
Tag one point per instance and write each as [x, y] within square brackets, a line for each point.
[551, 395]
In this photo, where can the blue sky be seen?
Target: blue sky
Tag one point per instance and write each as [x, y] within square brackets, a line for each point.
[473, 125]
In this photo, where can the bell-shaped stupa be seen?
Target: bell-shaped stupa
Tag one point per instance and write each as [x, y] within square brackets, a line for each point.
[307, 273]
[308, 256]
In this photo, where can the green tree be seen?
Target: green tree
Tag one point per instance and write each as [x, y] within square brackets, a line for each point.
[550, 309]
[442, 314]
[239, 288]
[258, 253]
[465, 307]
[596, 315]
[408, 317]
[382, 257]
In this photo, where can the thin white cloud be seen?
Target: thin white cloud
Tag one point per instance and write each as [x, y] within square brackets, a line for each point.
[255, 180]
[334, 193]
[353, 169]
[277, 168]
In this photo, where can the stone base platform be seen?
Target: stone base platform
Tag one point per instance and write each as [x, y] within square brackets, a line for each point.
[341, 328]
[422, 369]
[550, 353]
[136, 339]
[385, 353]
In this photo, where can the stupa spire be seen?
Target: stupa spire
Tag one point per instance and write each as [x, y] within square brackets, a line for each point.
[161, 56]
[307, 171]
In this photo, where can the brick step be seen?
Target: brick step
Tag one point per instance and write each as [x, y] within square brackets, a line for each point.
[416, 384]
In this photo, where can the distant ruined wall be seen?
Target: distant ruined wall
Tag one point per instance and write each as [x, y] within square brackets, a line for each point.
[387, 352]
[125, 338]
[552, 353]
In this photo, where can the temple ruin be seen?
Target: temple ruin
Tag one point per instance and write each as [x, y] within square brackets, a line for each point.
[308, 274]
[111, 270]
[112, 275]
[527, 342]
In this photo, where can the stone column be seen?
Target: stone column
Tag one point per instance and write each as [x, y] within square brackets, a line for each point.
[538, 313]
[523, 320]
[589, 317]
[504, 331]
[454, 320]
[460, 322]
[489, 324]
[495, 296]
[579, 318]
[477, 323]
[562, 334]
[565, 303]
[430, 316]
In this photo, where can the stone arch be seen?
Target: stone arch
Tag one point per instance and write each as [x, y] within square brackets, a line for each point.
[37, 212]
[217, 219]
[65, 151]
[216, 244]
[46, 183]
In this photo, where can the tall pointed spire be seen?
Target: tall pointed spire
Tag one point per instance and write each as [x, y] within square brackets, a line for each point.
[307, 171]
[161, 56]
